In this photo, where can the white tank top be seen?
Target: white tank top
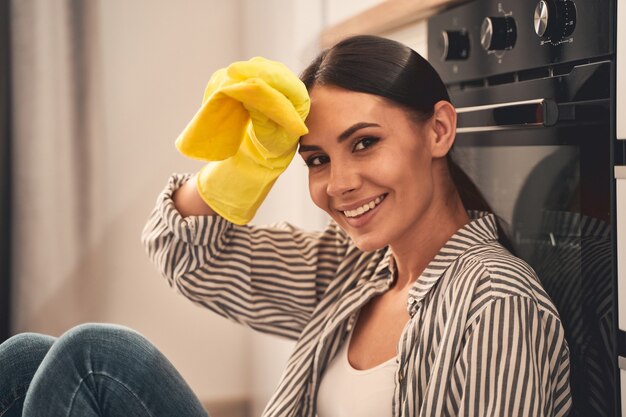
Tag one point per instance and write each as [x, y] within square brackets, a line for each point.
[348, 392]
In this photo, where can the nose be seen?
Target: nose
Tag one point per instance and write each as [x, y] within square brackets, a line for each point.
[343, 179]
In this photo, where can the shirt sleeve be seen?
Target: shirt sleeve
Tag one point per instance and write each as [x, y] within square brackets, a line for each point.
[514, 362]
[269, 278]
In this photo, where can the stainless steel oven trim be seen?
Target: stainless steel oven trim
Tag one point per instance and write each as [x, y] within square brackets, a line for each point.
[547, 107]
[494, 128]
[545, 113]
[499, 105]
[620, 177]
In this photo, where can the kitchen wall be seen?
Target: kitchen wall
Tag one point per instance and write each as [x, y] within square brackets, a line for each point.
[414, 35]
[152, 60]
[292, 40]
[156, 59]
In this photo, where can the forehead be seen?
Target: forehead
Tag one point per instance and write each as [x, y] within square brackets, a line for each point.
[329, 100]
[334, 109]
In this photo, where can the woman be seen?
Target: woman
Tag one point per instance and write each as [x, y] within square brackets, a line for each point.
[406, 304]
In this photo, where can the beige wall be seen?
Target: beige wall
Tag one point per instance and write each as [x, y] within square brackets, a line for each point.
[292, 40]
[414, 35]
[149, 62]
[156, 59]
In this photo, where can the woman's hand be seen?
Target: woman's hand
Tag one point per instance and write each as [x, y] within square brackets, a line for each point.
[248, 128]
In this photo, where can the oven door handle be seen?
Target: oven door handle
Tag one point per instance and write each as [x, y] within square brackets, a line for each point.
[542, 112]
[538, 112]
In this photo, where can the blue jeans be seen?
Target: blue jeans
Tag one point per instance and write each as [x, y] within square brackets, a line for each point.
[92, 370]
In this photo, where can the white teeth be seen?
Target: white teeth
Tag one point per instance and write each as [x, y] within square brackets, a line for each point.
[364, 208]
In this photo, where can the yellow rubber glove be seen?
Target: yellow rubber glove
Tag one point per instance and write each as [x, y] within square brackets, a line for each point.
[249, 124]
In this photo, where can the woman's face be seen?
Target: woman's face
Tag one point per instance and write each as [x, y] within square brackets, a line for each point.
[370, 166]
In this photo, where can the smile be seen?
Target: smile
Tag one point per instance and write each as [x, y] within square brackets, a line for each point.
[359, 211]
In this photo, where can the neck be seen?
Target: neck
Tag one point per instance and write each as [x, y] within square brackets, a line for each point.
[424, 240]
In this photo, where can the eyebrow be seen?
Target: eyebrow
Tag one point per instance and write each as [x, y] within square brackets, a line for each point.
[342, 137]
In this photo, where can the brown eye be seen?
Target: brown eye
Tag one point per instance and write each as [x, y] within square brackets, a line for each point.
[365, 142]
[316, 160]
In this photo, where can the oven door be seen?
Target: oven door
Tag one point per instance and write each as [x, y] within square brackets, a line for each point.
[539, 151]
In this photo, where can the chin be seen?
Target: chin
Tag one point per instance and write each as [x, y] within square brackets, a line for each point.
[368, 243]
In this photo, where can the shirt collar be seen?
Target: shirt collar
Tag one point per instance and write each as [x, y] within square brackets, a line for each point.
[482, 229]
[386, 267]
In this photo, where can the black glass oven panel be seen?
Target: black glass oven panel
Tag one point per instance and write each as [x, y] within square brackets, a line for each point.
[539, 151]
[586, 83]
[552, 197]
[550, 186]
[534, 135]
[530, 53]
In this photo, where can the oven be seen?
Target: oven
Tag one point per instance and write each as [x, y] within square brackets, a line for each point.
[534, 83]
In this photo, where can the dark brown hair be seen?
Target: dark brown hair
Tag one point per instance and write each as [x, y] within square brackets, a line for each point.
[389, 69]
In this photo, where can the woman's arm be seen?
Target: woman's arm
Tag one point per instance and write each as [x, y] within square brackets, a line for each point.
[514, 362]
[267, 277]
[188, 202]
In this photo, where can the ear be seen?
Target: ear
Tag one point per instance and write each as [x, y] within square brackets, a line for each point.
[443, 129]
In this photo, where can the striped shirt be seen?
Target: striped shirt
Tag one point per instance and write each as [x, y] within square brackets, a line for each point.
[483, 338]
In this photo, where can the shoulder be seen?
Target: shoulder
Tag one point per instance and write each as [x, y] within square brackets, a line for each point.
[495, 274]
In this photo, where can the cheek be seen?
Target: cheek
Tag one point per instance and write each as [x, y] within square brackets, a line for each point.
[391, 169]
[317, 191]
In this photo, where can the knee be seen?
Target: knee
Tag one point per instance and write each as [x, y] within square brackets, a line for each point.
[95, 333]
[105, 343]
[100, 334]
[26, 342]
[26, 346]
[21, 355]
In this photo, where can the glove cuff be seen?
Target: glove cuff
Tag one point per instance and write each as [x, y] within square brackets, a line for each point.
[236, 187]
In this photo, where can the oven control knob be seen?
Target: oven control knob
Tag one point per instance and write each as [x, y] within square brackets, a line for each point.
[498, 33]
[555, 19]
[455, 45]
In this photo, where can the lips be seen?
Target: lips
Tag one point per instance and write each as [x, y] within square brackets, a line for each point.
[363, 208]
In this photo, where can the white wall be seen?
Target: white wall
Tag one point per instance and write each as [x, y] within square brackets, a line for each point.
[413, 35]
[156, 59]
[289, 31]
[147, 69]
